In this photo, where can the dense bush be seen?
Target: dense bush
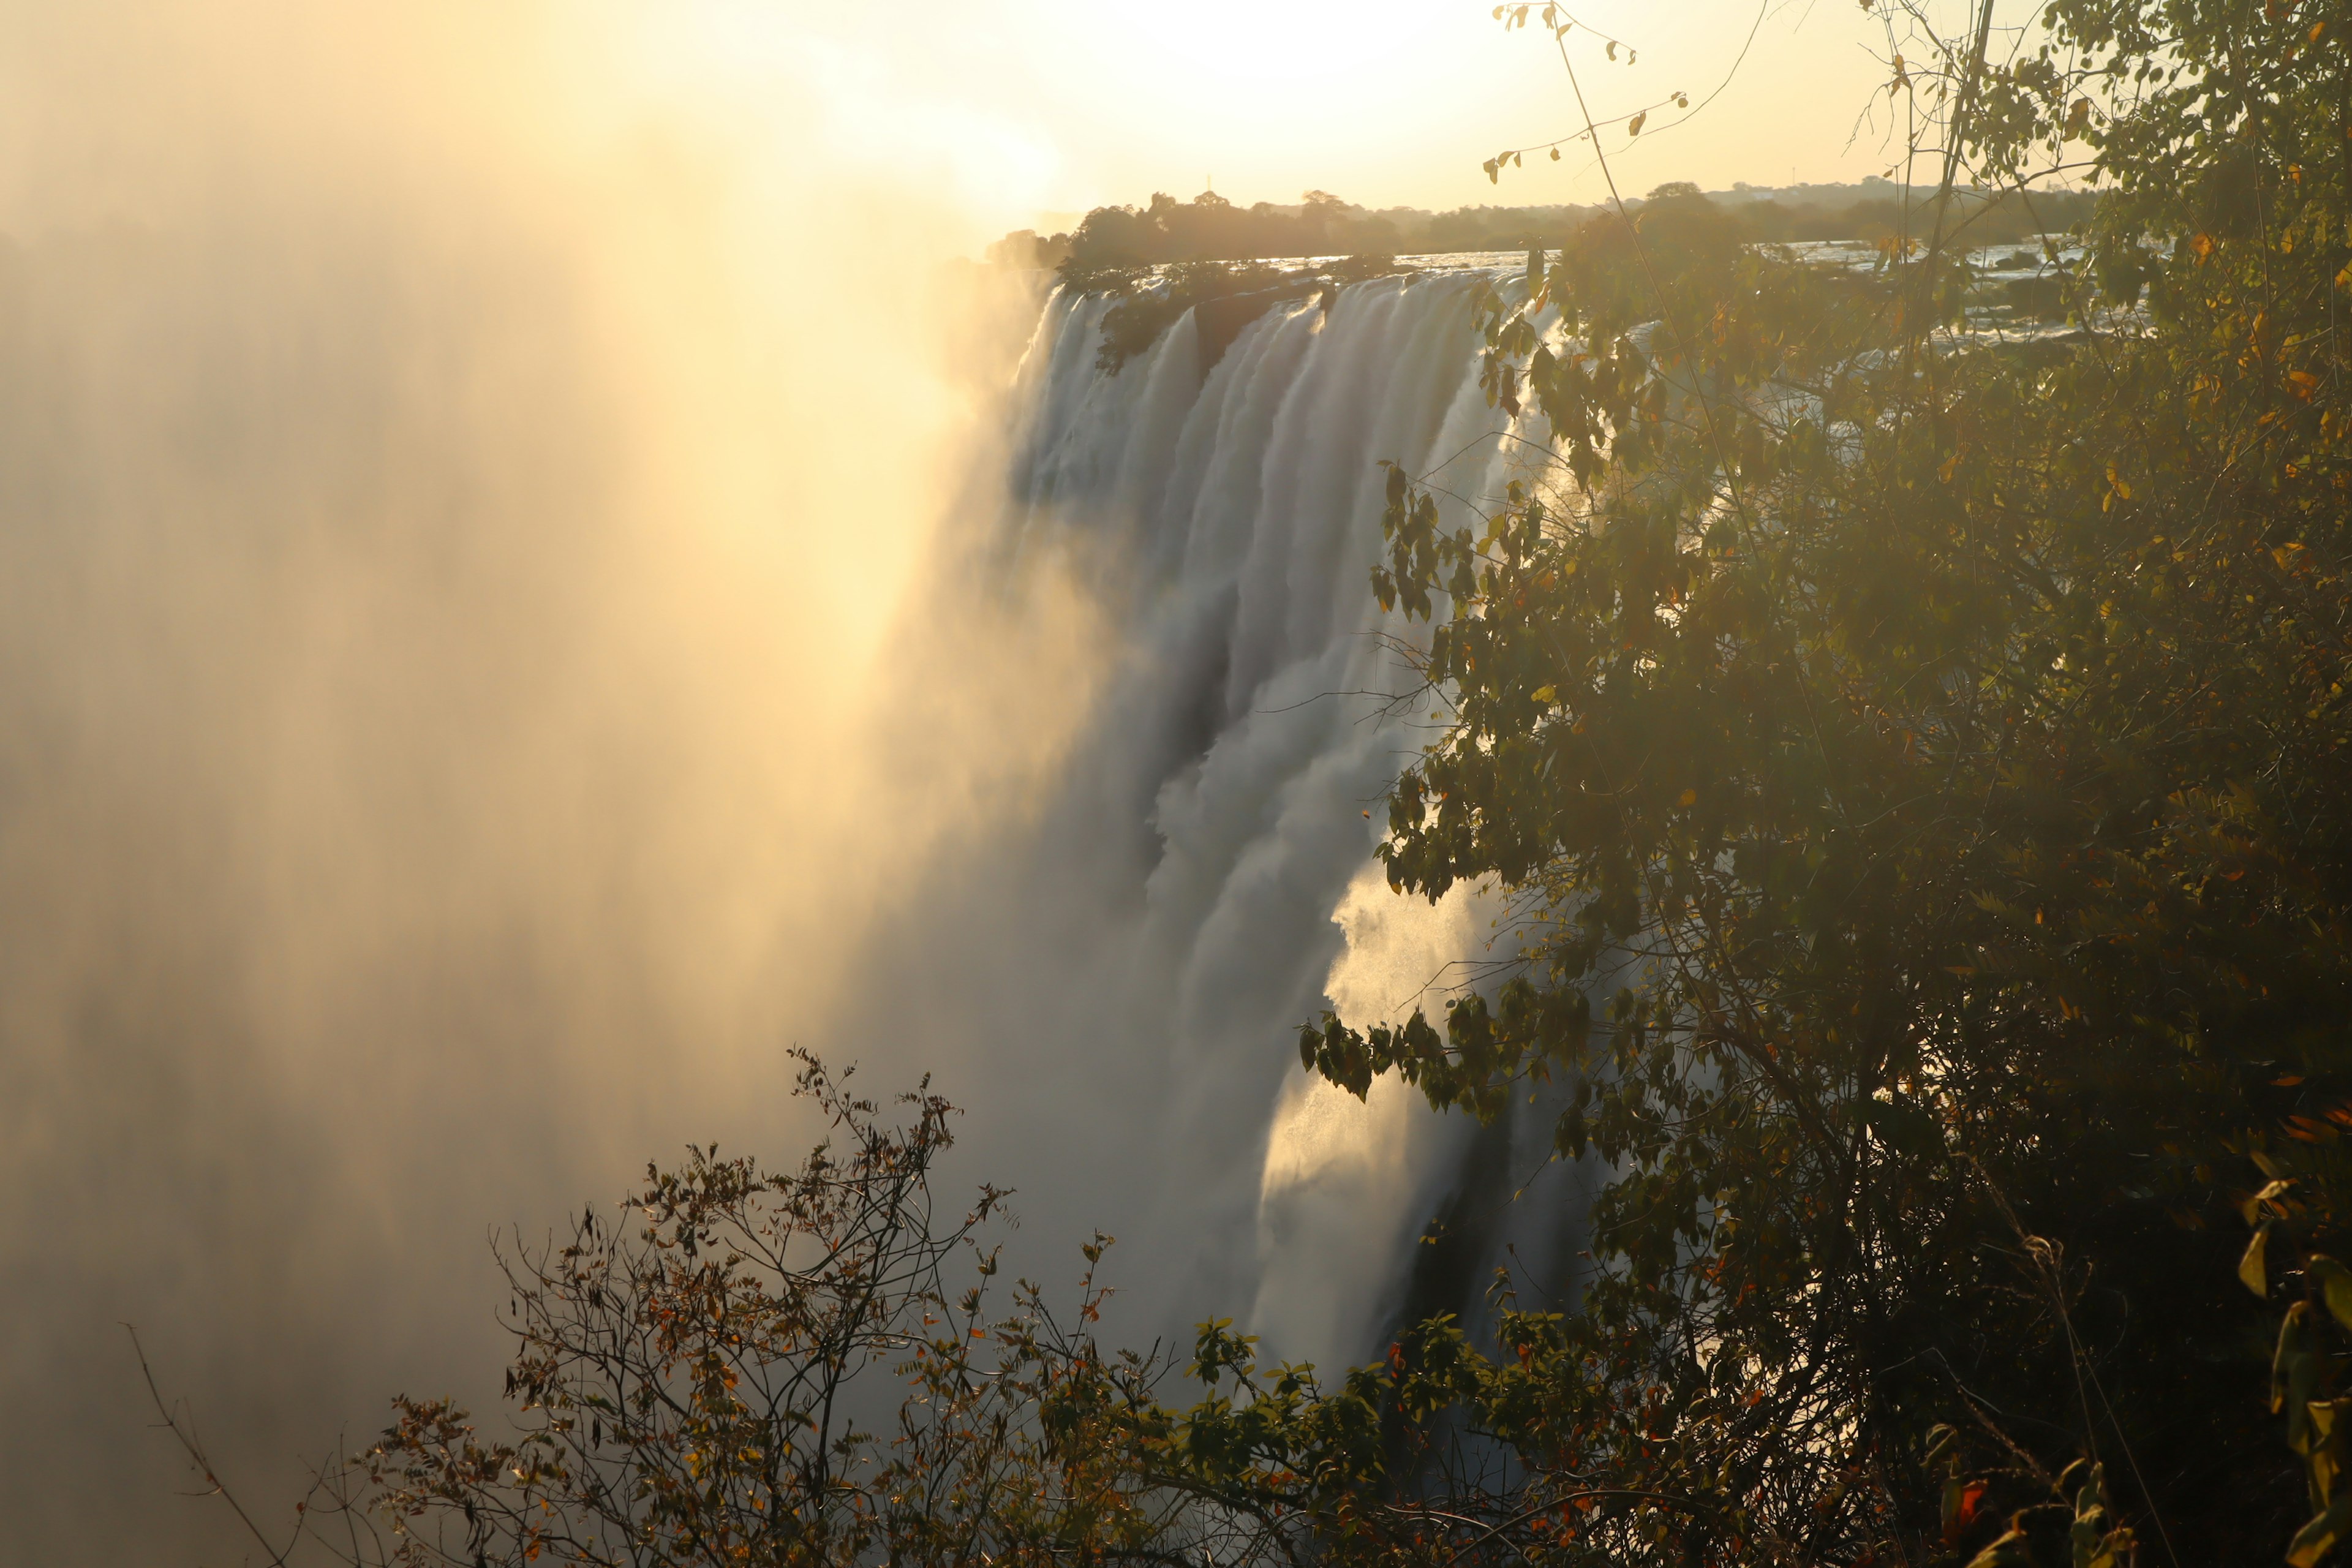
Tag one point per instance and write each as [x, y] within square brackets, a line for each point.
[1954, 731]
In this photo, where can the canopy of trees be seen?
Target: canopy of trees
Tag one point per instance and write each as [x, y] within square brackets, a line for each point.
[1210, 228]
[1955, 730]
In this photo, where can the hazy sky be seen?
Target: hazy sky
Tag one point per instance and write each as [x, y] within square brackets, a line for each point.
[1057, 105]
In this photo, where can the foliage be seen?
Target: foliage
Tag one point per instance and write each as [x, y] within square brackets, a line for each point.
[1945, 738]
[1210, 229]
[692, 1386]
[1114, 238]
[1027, 249]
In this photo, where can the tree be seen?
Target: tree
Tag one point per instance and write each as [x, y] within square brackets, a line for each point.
[1949, 730]
[694, 1386]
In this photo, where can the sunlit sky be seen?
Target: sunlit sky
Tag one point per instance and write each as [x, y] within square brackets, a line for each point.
[1038, 108]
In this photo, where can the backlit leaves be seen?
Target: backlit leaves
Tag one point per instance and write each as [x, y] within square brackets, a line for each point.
[1938, 748]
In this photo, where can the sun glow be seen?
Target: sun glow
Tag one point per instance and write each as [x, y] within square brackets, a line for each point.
[1332, 1160]
[1385, 104]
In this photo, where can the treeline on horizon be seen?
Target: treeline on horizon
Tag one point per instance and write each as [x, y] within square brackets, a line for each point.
[1210, 229]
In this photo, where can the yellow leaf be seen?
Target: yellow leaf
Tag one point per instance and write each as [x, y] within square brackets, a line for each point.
[2313, 1541]
[1689, 798]
[2253, 1208]
[2252, 1269]
[2008, 1552]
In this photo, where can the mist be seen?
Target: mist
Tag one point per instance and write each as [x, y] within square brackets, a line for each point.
[531, 581]
[460, 467]
[1111, 976]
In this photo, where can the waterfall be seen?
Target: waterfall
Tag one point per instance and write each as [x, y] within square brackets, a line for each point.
[1204, 880]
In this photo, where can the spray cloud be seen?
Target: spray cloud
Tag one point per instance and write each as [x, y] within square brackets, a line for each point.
[459, 463]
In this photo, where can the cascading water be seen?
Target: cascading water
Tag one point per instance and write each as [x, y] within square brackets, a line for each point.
[1204, 880]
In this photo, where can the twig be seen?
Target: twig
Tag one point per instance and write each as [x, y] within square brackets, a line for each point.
[194, 1448]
